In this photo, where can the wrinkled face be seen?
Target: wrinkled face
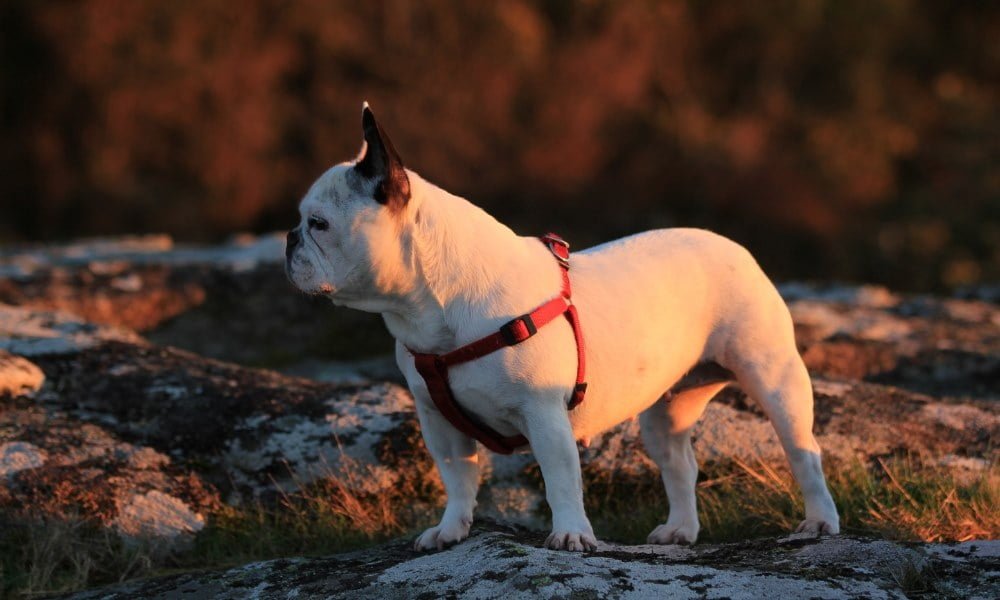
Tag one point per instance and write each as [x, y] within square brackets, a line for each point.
[329, 252]
[347, 244]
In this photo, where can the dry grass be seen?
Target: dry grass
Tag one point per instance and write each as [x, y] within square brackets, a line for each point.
[45, 556]
[928, 506]
[326, 516]
[898, 499]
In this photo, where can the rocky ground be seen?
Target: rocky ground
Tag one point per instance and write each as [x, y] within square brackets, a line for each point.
[505, 562]
[123, 399]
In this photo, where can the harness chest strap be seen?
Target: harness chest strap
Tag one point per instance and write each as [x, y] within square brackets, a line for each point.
[434, 367]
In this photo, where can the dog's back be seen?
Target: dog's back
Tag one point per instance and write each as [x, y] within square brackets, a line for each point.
[669, 299]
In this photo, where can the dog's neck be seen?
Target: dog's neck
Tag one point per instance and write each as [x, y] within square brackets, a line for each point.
[463, 265]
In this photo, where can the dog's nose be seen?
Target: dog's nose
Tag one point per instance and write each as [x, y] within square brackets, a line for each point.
[291, 242]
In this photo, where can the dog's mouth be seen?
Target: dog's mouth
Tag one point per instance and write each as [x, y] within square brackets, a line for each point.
[290, 271]
[290, 275]
[325, 290]
[304, 276]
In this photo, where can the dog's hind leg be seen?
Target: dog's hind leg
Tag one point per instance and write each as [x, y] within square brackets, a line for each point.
[666, 433]
[783, 389]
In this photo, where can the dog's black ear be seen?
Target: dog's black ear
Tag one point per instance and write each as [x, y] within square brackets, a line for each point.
[382, 164]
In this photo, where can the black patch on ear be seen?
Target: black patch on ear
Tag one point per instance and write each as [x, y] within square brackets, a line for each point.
[380, 194]
[382, 164]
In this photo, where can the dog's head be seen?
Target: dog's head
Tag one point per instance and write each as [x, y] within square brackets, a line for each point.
[348, 245]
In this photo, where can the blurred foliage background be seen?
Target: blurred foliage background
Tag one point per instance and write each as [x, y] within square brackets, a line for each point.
[837, 139]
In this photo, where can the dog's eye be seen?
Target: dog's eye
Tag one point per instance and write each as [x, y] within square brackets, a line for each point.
[318, 223]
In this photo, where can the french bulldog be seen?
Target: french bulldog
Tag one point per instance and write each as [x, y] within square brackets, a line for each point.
[655, 308]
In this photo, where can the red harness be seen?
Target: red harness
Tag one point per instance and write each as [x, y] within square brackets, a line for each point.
[434, 367]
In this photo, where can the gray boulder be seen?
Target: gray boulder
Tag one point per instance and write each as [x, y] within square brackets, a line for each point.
[252, 432]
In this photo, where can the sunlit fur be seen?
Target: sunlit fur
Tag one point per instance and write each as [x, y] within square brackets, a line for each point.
[443, 273]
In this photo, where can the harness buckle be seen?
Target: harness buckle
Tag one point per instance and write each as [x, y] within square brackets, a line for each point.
[555, 239]
[517, 330]
[559, 248]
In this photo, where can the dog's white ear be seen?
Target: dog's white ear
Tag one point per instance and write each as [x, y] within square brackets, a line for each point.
[380, 162]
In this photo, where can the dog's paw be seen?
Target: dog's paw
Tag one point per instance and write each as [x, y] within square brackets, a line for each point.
[574, 541]
[673, 534]
[437, 538]
[818, 527]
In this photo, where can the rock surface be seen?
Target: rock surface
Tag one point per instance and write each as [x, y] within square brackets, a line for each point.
[56, 466]
[509, 563]
[231, 301]
[99, 417]
[252, 432]
[939, 346]
[18, 375]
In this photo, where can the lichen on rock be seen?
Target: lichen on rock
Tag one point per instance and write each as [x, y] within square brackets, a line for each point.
[155, 515]
[18, 456]
[18, 375]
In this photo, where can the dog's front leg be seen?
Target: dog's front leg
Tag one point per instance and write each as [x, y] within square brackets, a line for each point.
[454, 454]
[554, 445]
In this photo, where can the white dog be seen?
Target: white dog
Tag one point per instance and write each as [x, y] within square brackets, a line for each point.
[376, 237]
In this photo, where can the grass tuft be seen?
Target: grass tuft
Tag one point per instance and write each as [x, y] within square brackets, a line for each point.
[914, 580]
